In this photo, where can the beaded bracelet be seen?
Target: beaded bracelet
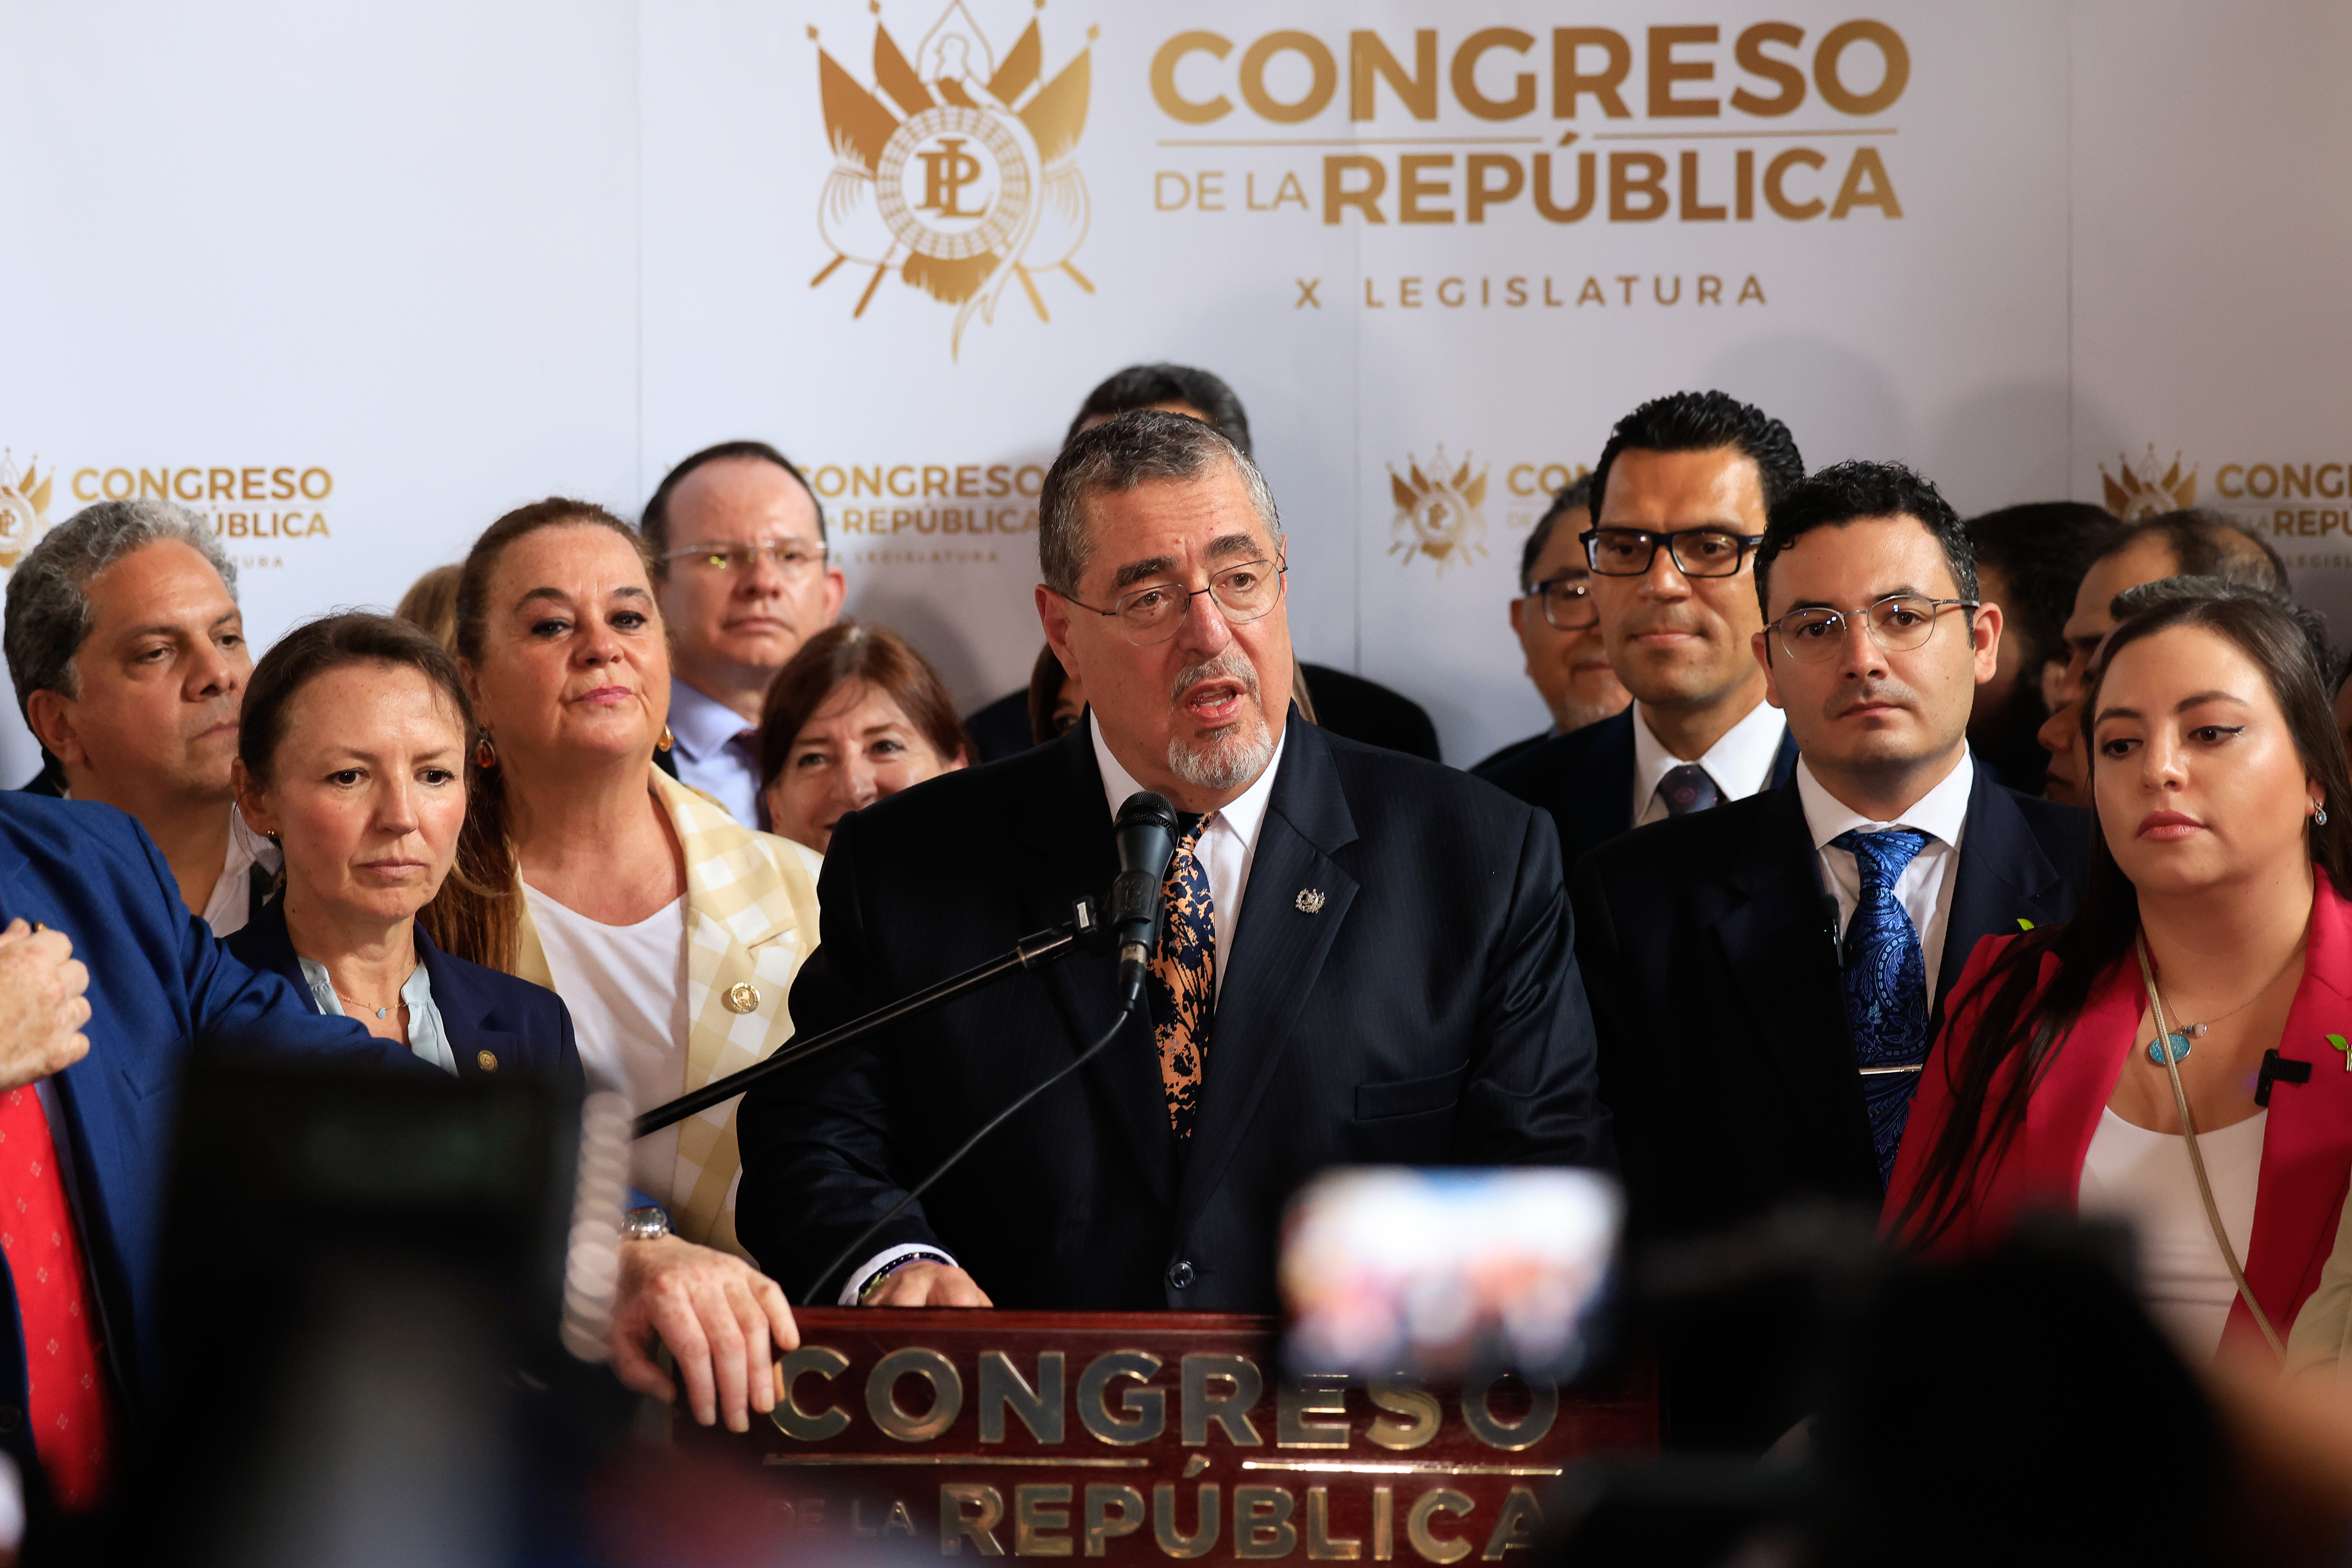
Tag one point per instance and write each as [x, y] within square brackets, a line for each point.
[898, 1263]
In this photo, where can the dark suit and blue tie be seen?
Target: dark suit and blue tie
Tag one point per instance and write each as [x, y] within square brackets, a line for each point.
[1766, 976]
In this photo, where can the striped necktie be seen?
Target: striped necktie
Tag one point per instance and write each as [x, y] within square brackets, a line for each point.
[1183, 979]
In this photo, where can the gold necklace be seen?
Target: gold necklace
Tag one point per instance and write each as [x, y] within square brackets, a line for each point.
[402, 1003]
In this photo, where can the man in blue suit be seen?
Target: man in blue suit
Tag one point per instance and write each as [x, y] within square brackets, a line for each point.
[107, 983]
[1679, 500]
[1766, 977]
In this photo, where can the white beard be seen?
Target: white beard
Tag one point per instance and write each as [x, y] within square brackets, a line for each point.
[1236, 755]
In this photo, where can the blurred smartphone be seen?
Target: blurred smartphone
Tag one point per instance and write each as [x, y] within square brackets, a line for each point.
[1440, 1273]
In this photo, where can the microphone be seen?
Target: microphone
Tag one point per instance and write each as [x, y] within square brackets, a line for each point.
[1145, 831]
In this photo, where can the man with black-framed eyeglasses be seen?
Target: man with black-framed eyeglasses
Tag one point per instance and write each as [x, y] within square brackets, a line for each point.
[1767, 977]
[1680, 497]
[744, 577]
[1558, 627]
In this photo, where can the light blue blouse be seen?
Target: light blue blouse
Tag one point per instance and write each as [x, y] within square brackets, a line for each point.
[426, 1036]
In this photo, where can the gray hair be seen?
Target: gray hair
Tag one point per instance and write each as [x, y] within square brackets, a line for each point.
[1117, 456]
[49, 615]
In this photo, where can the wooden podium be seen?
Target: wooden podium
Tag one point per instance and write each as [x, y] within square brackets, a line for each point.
[1148, 1435]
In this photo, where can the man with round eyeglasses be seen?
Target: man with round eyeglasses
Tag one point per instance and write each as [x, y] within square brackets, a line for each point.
[1364, 956]
[1680, 497]
[745, 579]
[1767, 977]
[1558, 626]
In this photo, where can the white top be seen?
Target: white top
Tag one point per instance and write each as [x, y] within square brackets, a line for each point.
[1226, 851]
[1740, 763]
[1228, 845]
[2144, 1179]
[1925, 888]
[704, 730]
[625, 986]
[230, 907]
[428, 1036]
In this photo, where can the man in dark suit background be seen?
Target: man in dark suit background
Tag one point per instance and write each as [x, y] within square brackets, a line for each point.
[1766, 978]
[1558, 628]
[1400, 987]
[1680, 497]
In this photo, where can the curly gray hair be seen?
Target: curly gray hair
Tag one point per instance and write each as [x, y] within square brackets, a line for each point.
[48, 614]
[1119, 455]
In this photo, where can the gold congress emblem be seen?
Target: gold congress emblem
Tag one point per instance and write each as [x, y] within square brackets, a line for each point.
[970, 182]
[2144, 489]
[1438, 513]
[24, 508]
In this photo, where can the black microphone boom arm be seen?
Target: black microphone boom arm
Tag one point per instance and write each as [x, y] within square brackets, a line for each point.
[1084, 928]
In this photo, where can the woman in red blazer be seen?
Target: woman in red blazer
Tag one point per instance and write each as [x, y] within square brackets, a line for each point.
[2223, 798]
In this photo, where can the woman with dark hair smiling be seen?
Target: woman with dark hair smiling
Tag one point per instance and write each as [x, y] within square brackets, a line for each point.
[2169, 1056]
[857, 714]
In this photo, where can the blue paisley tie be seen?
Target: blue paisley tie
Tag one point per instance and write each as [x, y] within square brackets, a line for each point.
[1885, 984]
[1183, 977]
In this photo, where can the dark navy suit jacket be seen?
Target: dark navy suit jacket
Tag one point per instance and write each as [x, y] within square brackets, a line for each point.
[524, 1027]
[1709, 945]
[1401, 989]
[1585, 779]
[160, 986]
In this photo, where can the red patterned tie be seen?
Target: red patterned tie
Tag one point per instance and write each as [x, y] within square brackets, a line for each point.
[65, 1384]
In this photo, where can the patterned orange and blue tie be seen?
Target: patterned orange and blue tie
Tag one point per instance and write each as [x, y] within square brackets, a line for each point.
[1184, 980]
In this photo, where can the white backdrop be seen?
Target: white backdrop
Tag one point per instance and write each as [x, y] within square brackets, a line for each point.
[354, 281]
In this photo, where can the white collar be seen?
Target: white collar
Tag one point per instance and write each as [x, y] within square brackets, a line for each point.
[1940, 814]
[1243, 815]
[1740, 762]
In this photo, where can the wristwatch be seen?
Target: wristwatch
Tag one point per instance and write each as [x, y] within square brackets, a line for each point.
[648, 1224]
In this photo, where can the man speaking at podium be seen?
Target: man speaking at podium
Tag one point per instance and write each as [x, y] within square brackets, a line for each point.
[1365, 958]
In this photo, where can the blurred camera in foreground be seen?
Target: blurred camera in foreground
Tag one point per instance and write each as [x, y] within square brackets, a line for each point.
[1444, 1273]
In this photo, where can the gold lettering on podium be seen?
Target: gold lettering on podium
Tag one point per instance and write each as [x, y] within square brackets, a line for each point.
[1432, 1546]
[809, 1426]
[1320, 1545]
[1262, 1526]
[1111, 1511]
[979, 1527]
[1405, 1399]
[1002, 1387]
[1229, 1408]
[1039, 1513]
[1173, 1541]
[1147, 1408]
[882, 1393]
[1295, 1402]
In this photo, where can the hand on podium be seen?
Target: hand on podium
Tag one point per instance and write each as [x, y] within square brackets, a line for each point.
[724, 1321]
[927, 1285]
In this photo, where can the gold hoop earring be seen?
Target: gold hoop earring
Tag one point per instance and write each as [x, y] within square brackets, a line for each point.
[486, 756]
[667, 740]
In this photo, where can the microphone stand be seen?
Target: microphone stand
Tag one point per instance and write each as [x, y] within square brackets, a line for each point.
[1083, 929]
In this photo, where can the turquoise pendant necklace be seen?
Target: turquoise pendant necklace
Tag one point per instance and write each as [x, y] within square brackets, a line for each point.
[2179, 1039]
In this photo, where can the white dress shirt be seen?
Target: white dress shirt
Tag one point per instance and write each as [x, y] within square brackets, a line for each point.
[230, 907]
[1228, 845]
[1740, 763]
[428, 1035]
[1226, 851]
[704, 730]
[1925, 888]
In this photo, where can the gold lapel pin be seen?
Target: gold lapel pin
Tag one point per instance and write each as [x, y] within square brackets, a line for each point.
[487, 1062]
[742, 997]
[1309, 900]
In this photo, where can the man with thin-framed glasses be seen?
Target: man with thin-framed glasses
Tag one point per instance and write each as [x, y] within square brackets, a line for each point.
[744, 579]
[1363, 956]
[1679, 497]
[1767, 977]
[1559, 625]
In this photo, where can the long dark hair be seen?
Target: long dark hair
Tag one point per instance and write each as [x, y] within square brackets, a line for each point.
[2024, 1022]
[479, 916]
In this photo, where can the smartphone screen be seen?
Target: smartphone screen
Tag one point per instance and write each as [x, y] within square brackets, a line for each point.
[1442, 1273]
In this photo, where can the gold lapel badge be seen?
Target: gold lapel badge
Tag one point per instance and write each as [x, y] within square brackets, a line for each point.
[742, 997]
[487, 1062]
[1309, 900]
